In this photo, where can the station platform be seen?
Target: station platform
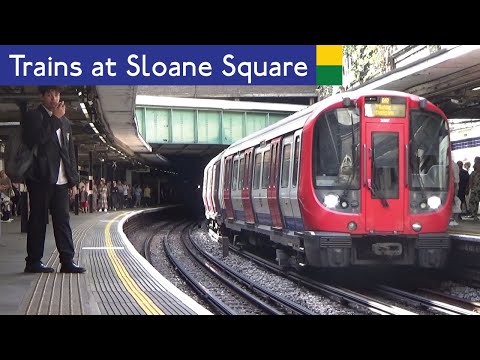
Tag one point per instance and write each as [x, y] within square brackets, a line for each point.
[467, 230]
[118, 281]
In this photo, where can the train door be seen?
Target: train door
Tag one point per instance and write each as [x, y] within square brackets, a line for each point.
[221, 189]
[208, 194]
[216, 181]
[272, 192]
[246, 187]
[261, 177]
[204, 190]
[285, 183]
[297, 137]
[383, 161]
[237, 183]
[227, 192]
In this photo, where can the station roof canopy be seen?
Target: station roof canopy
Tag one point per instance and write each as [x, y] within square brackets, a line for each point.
[102, 119]
[449, 78]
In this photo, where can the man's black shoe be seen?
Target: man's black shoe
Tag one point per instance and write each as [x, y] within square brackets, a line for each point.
[71, 268]
[38, 268]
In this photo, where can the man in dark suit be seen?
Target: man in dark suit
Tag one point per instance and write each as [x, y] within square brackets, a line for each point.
[52, 173]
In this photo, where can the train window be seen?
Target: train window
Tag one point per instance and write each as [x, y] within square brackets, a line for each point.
[230, 161]
[266, 169]
[385, 165]
[226, 182]
[241, 174]
[235, 175]
[274, 164]
[428, 151]
[216, 177]
[246, 180]
[296, 156]
[335, 150]
[225, 176]
[256, 175]
[286, 165]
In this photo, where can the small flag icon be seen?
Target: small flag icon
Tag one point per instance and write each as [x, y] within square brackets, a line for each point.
[329, 65]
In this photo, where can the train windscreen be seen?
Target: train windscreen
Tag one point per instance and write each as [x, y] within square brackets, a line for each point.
[336, 150]
[428, 156]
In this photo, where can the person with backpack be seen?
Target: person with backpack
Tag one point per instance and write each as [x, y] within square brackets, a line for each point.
[52, 174]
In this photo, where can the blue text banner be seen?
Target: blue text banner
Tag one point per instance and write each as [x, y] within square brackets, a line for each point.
[159, 64]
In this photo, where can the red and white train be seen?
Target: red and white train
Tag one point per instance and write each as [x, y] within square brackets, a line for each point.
[360, 178]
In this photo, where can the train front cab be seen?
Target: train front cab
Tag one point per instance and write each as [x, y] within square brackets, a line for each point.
[397, 211]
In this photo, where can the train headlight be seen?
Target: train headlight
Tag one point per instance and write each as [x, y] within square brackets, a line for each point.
[434, 202]
[343, 203]
[352, 226]
[331, 201]
[417, 226]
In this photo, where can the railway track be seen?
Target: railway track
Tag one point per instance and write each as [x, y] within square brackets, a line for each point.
[230, 292]
[370, 300]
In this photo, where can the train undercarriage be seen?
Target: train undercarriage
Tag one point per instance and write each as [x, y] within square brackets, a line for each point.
[317, 249]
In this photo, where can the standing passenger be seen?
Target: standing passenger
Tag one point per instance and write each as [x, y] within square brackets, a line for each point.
[120, 195]
[147, 194]
[84, 199]
[138, 196]
[456, 181]
[53, 172]
[5, 184]
[102, 195]
[474, 185]
[463, 186]
[114, 195]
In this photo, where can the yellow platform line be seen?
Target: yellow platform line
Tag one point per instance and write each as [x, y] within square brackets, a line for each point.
[130, 284]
